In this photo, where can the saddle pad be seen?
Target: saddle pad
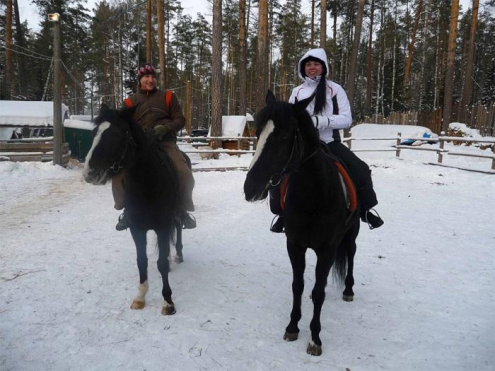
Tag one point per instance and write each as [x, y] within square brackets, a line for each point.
[349, 188]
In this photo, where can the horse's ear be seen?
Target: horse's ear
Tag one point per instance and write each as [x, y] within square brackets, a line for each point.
[127, 113]
[270, 98]
[302, 104]
[104, 108]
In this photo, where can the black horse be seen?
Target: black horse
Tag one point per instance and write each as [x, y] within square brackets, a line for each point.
[151, 191]
[316, 209]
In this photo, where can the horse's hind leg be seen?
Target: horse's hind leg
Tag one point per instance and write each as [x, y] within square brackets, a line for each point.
[163, 264]
[349, 242]
[323, 265]
[139, 237]
[178, 243]
[297, 257]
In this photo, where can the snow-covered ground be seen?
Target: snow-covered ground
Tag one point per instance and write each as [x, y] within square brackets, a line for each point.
[424, 281]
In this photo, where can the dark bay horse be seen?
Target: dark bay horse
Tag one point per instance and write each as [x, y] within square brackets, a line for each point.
[151, 191]
[316, 208]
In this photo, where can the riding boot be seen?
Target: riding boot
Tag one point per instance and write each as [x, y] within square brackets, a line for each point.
[278, 226]
[188, 221]
[123, 222]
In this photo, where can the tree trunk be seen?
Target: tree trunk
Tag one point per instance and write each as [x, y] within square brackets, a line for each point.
[323, 24]
[22, 43]
[149, 11]
[312, 42]
[161, 41]
[369, 75]
[468, 81]
[351, 83]
[449, 71]
[411, 44]
[216, 73]
[262, 55]
[8, 49]
[242, 58]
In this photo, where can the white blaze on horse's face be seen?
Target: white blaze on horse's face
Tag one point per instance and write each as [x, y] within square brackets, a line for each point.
[267, 130]
[87, 171]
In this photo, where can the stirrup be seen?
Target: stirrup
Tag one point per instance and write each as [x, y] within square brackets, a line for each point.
[373, 221]
[278, 225]
[188, 221]
[123, 222]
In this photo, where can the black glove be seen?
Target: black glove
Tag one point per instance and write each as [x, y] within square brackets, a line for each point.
[161, 131]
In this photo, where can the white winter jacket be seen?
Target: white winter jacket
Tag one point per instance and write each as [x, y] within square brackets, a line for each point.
[329, 121]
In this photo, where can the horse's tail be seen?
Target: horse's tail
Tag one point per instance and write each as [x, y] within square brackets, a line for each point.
[340, 263]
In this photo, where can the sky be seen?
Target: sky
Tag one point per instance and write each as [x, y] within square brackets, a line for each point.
[424, 297]
[192, 7]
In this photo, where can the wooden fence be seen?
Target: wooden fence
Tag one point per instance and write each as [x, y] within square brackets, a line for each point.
[31, 149]
[479, 117]
[200, 145]
[440, 150]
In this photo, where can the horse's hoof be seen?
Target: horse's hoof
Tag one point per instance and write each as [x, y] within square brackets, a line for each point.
[137, 304]
[290, 336]
[168, 310]
[314, 349]
[179, 259]
[348, 297]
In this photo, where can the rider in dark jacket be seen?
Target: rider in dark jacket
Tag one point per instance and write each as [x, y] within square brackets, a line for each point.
[159, 111]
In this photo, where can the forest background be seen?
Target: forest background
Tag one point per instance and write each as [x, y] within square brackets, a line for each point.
[390, 55]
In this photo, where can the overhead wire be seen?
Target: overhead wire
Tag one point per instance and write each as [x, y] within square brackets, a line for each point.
[45, 58]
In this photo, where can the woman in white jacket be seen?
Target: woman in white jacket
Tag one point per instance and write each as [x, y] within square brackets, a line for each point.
[331, 112]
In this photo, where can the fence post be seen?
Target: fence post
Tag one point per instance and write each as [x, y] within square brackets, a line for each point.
[397, 144]
[493, 159]
[442, 144]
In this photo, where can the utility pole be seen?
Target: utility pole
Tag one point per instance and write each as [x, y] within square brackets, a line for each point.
[57, 98]
[188, 107]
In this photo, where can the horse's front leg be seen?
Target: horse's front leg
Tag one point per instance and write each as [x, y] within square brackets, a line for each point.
[163, 264]
[297, 257]
[178, 241]
[323, 264]
[139, 236]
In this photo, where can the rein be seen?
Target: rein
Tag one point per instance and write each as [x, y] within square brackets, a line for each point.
[297, 149]
[117, 165]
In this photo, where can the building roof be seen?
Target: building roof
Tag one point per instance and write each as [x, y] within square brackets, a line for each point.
[28, 113]
[232, 126]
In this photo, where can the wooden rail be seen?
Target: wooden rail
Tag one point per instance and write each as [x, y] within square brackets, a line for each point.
[203, 142]
[440, 150]
[31, 149]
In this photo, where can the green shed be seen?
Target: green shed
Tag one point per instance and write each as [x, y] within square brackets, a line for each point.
[78, 135]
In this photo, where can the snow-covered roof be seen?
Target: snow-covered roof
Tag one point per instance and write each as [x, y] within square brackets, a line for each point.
[81, 117]
[232, 126]
[78, 124]
[28, 113]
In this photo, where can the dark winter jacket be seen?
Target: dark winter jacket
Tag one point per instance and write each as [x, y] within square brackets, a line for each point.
[152, 110]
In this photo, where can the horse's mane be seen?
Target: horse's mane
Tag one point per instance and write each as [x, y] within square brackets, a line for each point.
[286, 116]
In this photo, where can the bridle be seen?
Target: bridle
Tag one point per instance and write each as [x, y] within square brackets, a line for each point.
[129, 143]
[294, 162]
